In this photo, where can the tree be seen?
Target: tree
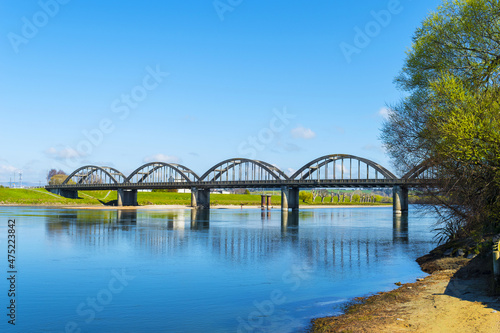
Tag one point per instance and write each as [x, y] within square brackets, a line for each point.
[58, 179]
[54, 172]
[314, 194]
[451, 116]
[305, 196]
[323, 194]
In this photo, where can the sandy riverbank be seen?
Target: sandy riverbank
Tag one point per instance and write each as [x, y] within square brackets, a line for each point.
[454, 298]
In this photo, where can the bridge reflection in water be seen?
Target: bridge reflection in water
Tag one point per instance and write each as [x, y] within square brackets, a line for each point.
[322, 236]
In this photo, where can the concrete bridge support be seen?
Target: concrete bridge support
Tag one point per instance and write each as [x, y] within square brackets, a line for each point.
[70, 194]
[289, 198]
[127, 197]
[400, 199]
[200, 198]
[265, 201]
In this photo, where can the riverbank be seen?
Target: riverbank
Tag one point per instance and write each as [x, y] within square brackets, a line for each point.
[108, 199]
[454, 298]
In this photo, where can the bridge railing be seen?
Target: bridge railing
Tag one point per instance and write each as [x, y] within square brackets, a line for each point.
[341, 183]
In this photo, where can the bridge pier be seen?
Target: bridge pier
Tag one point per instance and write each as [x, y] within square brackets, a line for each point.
[127, 197]
[400, 199]
[200, 198]
[289, 198]
[265, 201]
[70, 194]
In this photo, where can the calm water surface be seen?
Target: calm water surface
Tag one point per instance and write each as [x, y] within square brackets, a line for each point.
[188, 271]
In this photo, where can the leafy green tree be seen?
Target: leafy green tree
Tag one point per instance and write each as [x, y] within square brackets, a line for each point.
[305, 196]
[450, 116]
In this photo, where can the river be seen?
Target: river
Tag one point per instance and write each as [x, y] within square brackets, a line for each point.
[223, 270]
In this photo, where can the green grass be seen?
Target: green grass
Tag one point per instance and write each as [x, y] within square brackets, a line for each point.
[163, 198]
[40, 196]
[169, 198]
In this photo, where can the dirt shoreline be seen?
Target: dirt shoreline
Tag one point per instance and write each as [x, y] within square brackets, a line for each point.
[456, 297]
[159, 207]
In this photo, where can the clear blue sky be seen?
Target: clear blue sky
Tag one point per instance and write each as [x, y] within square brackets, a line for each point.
[100, 67]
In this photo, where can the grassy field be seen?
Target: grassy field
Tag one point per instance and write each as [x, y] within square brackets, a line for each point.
[42, 197]
[168, 198]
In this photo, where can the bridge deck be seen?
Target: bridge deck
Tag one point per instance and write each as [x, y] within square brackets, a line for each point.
[338, 183]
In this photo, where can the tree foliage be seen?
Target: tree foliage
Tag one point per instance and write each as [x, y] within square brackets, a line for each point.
[54, 172]
[451, 115]
[305, 196]
[58, 179]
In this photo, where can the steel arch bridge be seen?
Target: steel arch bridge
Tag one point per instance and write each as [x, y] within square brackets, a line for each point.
[329, 171]
[91, 175]
[155, 172]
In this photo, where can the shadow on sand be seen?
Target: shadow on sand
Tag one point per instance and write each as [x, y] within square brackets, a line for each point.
[474, 283]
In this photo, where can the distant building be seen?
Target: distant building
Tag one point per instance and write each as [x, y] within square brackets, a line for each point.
[220, 192]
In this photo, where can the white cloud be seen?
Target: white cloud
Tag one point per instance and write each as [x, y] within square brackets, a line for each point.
[339, 129]
[162, 158]
[62, 153]
[303, 133]
[189, 118]
[370, 147]
[8, 169]
[290, 171]
[384, 112]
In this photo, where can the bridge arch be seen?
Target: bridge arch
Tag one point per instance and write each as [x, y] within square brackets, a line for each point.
[91, 174]
[424, 170]
[243, 169]
[161, 172]
[327, 167]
